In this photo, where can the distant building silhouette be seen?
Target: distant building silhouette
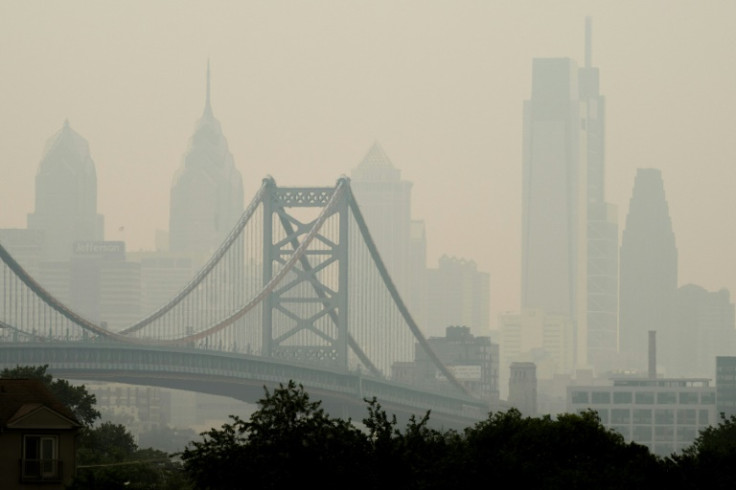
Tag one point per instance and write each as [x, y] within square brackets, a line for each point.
[207, 190]
[66, 195]
[602, 225]
[384, 200]
[704, 329]
[648, 273]
[457, 293]
[472, 360]
[523, 388]
[569, 231]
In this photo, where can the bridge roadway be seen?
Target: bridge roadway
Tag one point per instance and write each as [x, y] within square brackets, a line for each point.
[239, 376]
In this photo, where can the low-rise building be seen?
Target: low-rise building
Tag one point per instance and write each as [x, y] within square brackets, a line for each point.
[664, 414]
[37, 437]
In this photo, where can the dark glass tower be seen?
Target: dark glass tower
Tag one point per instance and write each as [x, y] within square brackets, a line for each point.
[648, 272]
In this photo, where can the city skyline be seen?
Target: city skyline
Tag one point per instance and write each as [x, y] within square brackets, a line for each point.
[302, 93]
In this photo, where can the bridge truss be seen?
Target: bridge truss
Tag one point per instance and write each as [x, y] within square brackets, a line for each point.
[298, 279]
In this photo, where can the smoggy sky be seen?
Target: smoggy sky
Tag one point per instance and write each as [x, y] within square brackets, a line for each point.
[303, 88]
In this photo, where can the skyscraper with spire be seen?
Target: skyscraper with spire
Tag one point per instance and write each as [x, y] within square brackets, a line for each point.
[66, 196]
[569, 232]
[602, 224]
[207, 190]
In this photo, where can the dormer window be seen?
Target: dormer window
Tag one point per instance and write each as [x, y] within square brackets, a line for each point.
[40, 458]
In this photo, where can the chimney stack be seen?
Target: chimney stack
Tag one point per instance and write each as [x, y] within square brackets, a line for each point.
[652, 354]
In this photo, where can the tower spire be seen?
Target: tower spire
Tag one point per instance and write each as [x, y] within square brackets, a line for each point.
[588, 47]
[207, 104]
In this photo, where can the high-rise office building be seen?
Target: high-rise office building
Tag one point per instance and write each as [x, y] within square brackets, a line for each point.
[569, 231]
[554, 212]
[602, 225]
[648, 277]
[207, 191]
[384, 199]
[66, 196]
[553, 191]
[705, 327]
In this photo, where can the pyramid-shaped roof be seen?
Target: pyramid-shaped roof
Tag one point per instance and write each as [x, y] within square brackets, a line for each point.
[376, 166]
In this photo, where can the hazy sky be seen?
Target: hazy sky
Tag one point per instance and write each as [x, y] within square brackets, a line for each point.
[303, 88]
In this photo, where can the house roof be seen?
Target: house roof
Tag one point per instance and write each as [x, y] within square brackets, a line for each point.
[19, 397]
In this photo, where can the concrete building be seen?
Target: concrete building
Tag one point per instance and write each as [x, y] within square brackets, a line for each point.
[66, 196]
[472, 360]
[664, 414]
[726, 386]
[523, 388]
[207, 191]
[648, 277]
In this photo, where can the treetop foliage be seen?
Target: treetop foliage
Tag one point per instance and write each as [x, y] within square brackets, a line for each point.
[77, 398]
[290, 440]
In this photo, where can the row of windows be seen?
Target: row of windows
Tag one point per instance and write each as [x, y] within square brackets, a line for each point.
[644, 434]
[688, 416]
[644, 397]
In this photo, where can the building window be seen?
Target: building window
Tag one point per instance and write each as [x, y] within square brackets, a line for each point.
[667, 398]
[642, 416]
[688, 398]
[622, 397]
[620, 416]
[580, 397]
[708, 398]
[601, 397]
[644, 398]
[664, 417]
[686, 417]
[40, 458]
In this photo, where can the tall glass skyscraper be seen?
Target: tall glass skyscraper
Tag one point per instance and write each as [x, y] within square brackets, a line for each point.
[569, 232]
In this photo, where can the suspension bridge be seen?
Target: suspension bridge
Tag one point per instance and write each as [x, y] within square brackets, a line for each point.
[297, 291]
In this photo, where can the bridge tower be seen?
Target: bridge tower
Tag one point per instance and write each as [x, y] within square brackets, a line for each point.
[306, 317]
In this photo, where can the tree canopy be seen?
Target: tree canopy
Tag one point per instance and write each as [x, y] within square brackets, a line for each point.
[290, 440]
[77, 398]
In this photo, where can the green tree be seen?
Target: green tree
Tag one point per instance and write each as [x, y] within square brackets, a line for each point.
[288, 441]
[709, 461]
[109, 459]
[77, 398]
[569, 451]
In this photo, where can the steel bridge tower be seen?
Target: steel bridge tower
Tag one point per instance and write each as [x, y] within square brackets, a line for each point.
[314, 302]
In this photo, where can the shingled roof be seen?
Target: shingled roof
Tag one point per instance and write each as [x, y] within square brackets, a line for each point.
[20, 396]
